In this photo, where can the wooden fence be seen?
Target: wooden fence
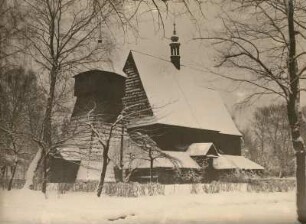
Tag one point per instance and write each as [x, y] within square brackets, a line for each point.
[137, 190]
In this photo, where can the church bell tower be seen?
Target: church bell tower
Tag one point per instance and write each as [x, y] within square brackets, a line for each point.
[175, 49]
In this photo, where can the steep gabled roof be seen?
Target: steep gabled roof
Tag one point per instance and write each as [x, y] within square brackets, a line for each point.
[177, 98]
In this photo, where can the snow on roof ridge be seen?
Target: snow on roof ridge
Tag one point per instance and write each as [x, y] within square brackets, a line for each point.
[180, 88]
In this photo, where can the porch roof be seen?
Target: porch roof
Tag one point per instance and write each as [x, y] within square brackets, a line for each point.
[176, 159]
[70, 153]
[224, 162]
[202, 149]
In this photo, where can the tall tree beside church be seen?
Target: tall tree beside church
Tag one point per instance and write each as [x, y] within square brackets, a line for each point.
[63, 36]
[265, 40]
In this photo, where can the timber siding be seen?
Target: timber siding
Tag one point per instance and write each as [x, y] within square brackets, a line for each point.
[89, 150]
[135, 98]
[79, 134]
[101, 93]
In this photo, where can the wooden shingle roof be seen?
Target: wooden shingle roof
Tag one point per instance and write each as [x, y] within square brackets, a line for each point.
[177, 98]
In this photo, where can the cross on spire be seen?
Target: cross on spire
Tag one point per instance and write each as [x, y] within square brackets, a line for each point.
[174, 31]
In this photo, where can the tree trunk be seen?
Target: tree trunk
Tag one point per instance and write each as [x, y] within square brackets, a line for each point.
[280, 174]
[105, 162]
[3, 174]
[45, 174]
[103, 173]
[300, 195]
[121, 155]
[294, 117]
[12, 176]
[47, 131]
[31, 169]
[151, 170]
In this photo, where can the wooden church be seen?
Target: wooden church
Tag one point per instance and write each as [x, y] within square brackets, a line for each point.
[161, 99]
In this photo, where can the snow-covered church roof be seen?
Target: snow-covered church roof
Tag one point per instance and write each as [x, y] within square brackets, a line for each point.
[177, 98]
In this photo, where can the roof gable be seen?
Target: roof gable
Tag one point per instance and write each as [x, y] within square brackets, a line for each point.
[135, 100]
[177, 99]
[202, 149]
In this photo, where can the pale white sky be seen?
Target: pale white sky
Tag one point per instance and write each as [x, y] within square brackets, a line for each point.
[154, 40]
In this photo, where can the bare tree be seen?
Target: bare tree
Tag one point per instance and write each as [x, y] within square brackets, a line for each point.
[19, 94]
[269, 140]
[10, 20]
[107, 133]
[150, 151]
[265, 40]
[104, 139]
[62, 37]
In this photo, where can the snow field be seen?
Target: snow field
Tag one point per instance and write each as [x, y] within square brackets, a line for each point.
[25, 206]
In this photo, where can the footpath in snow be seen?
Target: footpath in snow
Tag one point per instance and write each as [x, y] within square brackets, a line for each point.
[24, 206]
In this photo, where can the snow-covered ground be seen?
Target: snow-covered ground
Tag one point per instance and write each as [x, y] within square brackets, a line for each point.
[24, 206]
